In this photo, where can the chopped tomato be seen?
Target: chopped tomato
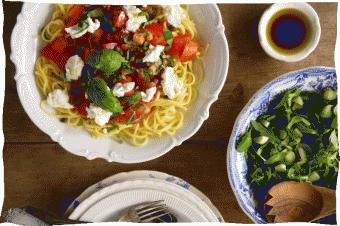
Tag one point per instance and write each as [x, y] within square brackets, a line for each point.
[140, 81]
[127, 94]
[81, 109]
[98, 36]
[110, 45]
[126, 46]
[60, 58]
[59, 44]
[178, 44]
[189, 51]
[183, 47]
[156, 29]
[84, 40]
[74, 14]
[133, 114]
[117, 37]
[119, 19]
[151, 84]
[86, 53]
[126, 80]
[138, 38]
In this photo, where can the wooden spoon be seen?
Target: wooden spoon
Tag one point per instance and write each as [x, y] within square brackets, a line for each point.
[292, 201]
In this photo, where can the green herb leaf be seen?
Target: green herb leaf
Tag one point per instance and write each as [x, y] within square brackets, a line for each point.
[333, 139]
[297, 119]
[326, 111]
[168, 36]
[329, 94]
[144, 14]
[245, 142]
[287, 99]
[100, 94]
[264, 131]
[107, 60]
[133, 99]
[276, 158]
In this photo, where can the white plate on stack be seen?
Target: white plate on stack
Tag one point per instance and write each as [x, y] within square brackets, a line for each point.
[186, 202]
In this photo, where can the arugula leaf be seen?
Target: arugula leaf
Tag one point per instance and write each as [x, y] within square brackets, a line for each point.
[264, 131]
[106, 60]
[333, 139]
[305, 129]
[100, 94]
[276, 158]
[297, 119]
[245, 142]
[286, 101]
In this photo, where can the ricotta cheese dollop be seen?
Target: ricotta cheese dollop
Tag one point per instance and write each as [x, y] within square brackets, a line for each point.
[148, 94]
[120, 89]
[88, 25]
[153, 53]
[73, 68]
[100, 116]
[170, 83]
[135, 20]
[59, 98]
[174, 14]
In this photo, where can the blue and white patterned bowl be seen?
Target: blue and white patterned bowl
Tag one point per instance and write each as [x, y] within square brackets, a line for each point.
[316, 78]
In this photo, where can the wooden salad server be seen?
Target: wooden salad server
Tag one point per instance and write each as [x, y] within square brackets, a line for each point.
[292, 201]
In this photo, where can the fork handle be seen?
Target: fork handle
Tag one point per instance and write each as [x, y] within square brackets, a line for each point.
[51, 218]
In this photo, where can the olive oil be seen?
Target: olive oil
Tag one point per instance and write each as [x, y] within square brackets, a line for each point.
[288, 31]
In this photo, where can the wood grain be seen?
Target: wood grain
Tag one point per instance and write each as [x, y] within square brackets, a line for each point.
[39, 172]
[45, 176]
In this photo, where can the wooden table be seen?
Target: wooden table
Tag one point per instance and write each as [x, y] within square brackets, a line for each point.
[40, 173]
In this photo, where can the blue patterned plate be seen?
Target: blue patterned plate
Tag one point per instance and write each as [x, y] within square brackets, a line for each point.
[316, 78]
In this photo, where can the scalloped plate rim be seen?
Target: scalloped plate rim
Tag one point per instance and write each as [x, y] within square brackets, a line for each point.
[174, 141]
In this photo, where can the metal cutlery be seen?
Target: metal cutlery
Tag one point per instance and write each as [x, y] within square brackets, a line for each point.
[141, 213]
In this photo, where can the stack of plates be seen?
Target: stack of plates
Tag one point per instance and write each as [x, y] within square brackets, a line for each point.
[108, 199]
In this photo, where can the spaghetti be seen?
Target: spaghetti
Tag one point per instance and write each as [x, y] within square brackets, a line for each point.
[163, 116]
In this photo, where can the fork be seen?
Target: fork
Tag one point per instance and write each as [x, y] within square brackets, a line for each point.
[145, 212]
[141, 213]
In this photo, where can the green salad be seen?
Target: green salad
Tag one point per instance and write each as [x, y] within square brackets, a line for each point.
[296, 139]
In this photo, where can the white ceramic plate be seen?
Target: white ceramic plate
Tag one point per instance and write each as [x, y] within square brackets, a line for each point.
[145, 175]
[163, 186]
[114, 206]
[76, 140]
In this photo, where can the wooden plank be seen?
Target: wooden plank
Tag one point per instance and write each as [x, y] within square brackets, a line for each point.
[40, 173]
[45, 176]
[249, 69]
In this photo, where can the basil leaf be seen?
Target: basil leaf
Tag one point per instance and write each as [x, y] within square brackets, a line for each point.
[245, 142]
[100, 94]
[108, 61]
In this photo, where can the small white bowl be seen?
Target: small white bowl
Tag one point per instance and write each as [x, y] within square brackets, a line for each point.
[313, 18]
